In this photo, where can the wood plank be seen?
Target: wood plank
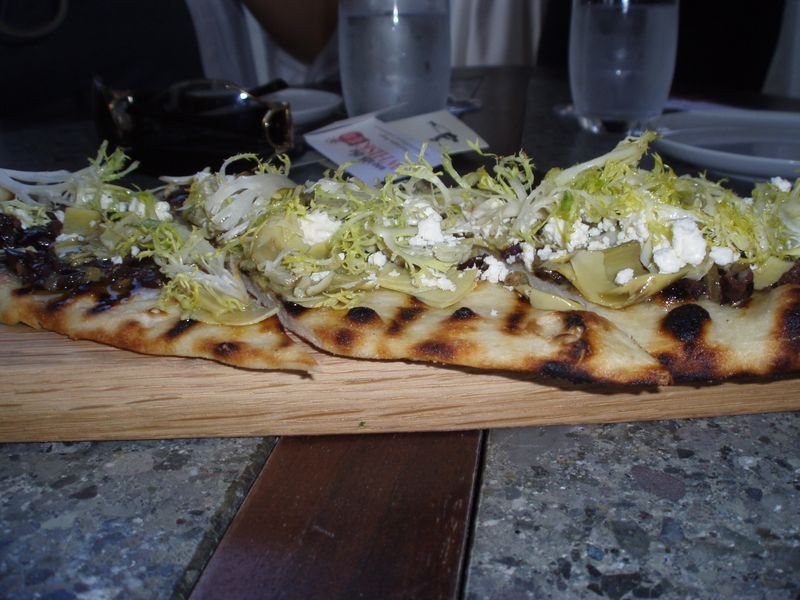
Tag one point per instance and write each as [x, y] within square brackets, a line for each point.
[53, 389]
[378, 516]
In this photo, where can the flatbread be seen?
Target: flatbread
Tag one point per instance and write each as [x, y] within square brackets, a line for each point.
[491, 328]
[597, 235]
[135, 322]
[704, 340]
[651, 342]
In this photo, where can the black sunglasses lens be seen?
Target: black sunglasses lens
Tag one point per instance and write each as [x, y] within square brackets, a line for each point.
[277, 124]
[197, 97]
[204, 119]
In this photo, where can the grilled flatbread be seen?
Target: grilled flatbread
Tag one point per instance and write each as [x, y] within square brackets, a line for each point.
[604, 272]
[135, 321]
[490, 328]
[703, 340]
[93, 260]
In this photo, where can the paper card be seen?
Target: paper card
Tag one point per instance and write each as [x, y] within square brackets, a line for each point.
[376, 148]
[440, 128]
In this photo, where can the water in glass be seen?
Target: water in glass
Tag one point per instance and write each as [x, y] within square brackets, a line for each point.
[396, 56]
[622, 58]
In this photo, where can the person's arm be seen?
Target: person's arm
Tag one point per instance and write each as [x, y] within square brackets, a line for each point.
[301, 27]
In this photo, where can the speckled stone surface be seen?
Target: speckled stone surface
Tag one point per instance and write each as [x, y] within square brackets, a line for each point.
[120, 520]
[706, 508]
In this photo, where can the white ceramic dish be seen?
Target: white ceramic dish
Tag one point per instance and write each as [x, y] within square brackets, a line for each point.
[739, 143]
[308, 106]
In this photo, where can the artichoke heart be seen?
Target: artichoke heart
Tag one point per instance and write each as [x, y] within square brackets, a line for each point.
[280, 234]
[81, 221]
[544, 300]
[593, 273]
[770, 272]
[453, 285]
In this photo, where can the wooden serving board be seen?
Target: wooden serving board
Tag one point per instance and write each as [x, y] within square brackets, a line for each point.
[52, 388]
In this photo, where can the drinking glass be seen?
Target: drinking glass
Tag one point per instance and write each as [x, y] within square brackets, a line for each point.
[394, 53]
[621, 60]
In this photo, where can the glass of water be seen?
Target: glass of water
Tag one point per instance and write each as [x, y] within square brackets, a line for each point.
[621, 60]
[394, 54]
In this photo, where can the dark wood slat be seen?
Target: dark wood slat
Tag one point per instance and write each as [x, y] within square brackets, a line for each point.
[373, 516]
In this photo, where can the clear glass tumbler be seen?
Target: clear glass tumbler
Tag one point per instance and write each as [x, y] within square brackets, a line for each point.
[394, 53]
[621, 60]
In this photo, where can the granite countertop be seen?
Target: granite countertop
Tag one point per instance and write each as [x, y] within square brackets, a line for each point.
[704, 508]
[117, 519]
[664, 509]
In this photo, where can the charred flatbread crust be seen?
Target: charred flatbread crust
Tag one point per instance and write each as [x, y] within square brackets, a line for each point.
[491, 328]
[134, 322]
[705, 341]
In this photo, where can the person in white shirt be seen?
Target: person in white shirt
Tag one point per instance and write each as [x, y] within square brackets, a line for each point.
[251, 42]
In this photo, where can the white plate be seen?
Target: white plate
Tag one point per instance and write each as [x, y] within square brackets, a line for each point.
[308, 106]
[741, 143]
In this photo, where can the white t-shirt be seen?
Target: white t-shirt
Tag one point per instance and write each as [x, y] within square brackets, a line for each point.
[234, 47]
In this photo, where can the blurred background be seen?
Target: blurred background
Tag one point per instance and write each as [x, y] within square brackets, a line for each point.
[51, 49]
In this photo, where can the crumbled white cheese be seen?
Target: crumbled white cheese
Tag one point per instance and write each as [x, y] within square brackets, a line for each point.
[633, 227]
[553, 231]
[688, 247]
[722, 256]
[162, 211]
[623, 276]
[318, 227]
[601, 243]
[377, 258]
[578, 237]
[667, 260]
[494, 312]
[417, 209]
[138, 207]
[781, 183]
[105, 201]
[604, 226]
[438, 281]
[429, 231]
[135, 250]
[547, 253]
[562, 238]
[528, 254]
[495, 271]
[688, 241]
[60, 215]
[117, 260]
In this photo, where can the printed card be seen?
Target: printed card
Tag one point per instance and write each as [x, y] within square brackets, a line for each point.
[374, 149]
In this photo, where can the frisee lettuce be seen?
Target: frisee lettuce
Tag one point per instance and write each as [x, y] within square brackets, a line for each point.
[103, 219]
[325, 243]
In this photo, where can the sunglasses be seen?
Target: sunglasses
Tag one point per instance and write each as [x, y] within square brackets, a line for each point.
[193, 124]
